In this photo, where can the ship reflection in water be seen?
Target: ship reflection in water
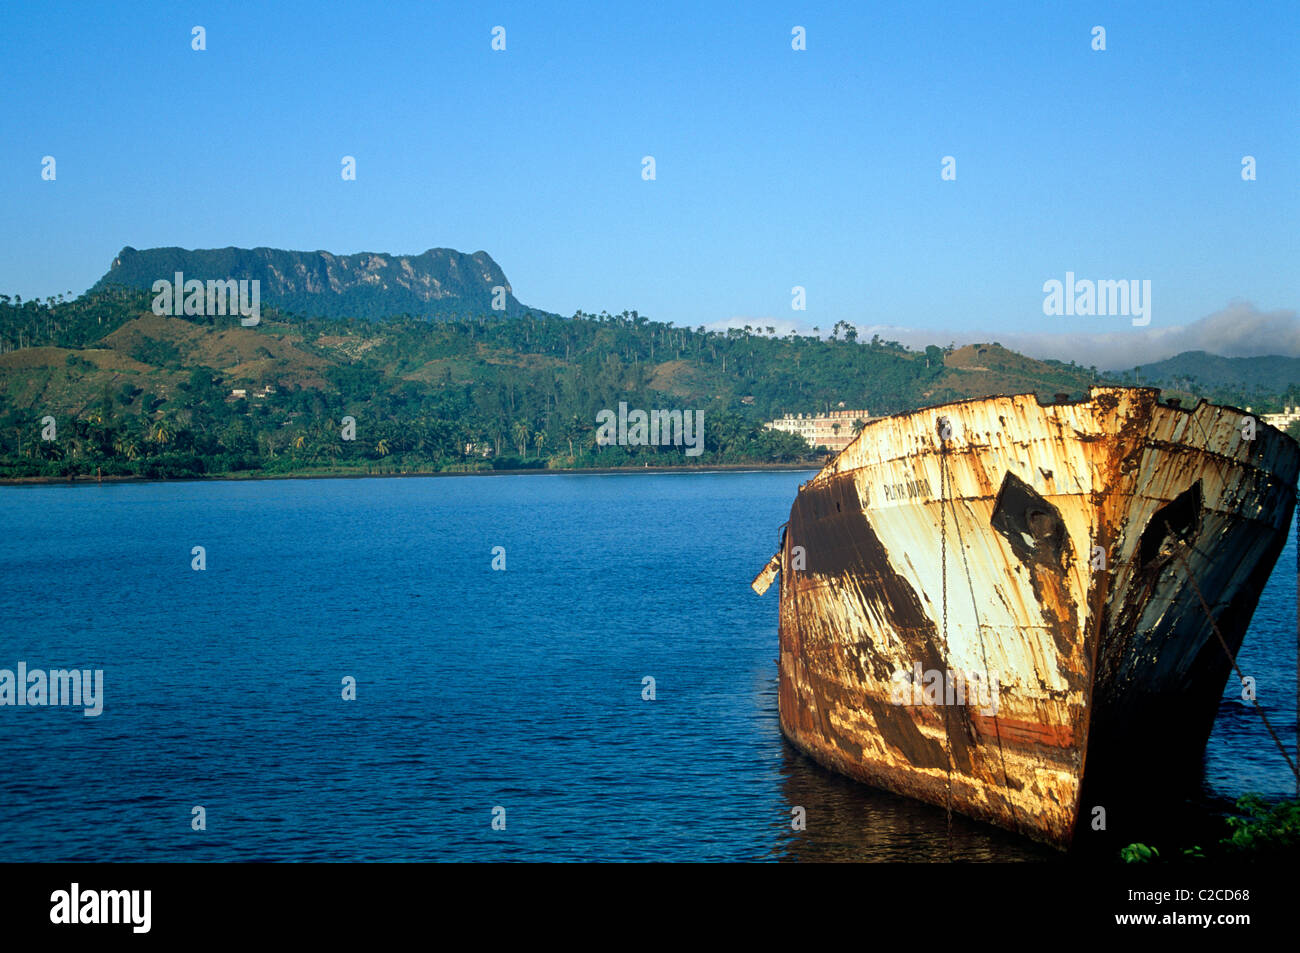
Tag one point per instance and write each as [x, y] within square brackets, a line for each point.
[847, 821]
[851, 822]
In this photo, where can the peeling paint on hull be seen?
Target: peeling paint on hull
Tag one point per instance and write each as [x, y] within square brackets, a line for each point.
[1059, 532]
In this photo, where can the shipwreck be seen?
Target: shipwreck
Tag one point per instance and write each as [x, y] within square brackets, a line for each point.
[1082, 572]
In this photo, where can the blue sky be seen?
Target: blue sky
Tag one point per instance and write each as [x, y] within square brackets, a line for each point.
[775, 168]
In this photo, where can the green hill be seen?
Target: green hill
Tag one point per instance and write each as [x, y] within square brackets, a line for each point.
[1266, 383]
[1210, 370]
[132, 392]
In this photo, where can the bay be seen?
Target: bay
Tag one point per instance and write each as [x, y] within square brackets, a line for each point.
[476, 688]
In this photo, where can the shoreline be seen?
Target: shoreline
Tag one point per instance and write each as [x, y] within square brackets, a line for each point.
[91, 480]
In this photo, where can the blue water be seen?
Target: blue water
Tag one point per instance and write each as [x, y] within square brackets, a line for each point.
[476, 688]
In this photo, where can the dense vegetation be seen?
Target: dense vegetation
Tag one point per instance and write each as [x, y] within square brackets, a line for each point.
[1267, 384]
[133, 393]
[1259, 832]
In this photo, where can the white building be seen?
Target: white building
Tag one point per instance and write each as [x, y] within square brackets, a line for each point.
[1283, 420]
[834, 430]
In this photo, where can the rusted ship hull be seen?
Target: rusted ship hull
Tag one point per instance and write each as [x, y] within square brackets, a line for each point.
[1050, 560]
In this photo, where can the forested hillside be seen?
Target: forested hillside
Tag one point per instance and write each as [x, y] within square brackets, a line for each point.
[131, 392]
[1268, 382]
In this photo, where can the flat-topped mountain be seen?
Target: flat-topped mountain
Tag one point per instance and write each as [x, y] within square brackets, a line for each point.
[440, 283]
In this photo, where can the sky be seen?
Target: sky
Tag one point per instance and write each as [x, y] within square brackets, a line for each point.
[774, 167]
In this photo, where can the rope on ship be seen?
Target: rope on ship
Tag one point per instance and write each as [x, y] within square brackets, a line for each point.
[1224, 642]
[1178, 553]
[944, 502]
[943, 573]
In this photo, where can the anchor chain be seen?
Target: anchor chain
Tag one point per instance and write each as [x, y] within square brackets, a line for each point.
[943, 572]
[1205, 606]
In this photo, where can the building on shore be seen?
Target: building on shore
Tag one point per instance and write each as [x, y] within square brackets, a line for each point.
[1283, 420]
[834, 430]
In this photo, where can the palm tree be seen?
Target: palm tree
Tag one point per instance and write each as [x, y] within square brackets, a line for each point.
[572, 429]
[163, 431]
[381, 447]
[328, 440]
[124, 443]
[520, 431]
[48, 450]
[858, 424]
[539, 439]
